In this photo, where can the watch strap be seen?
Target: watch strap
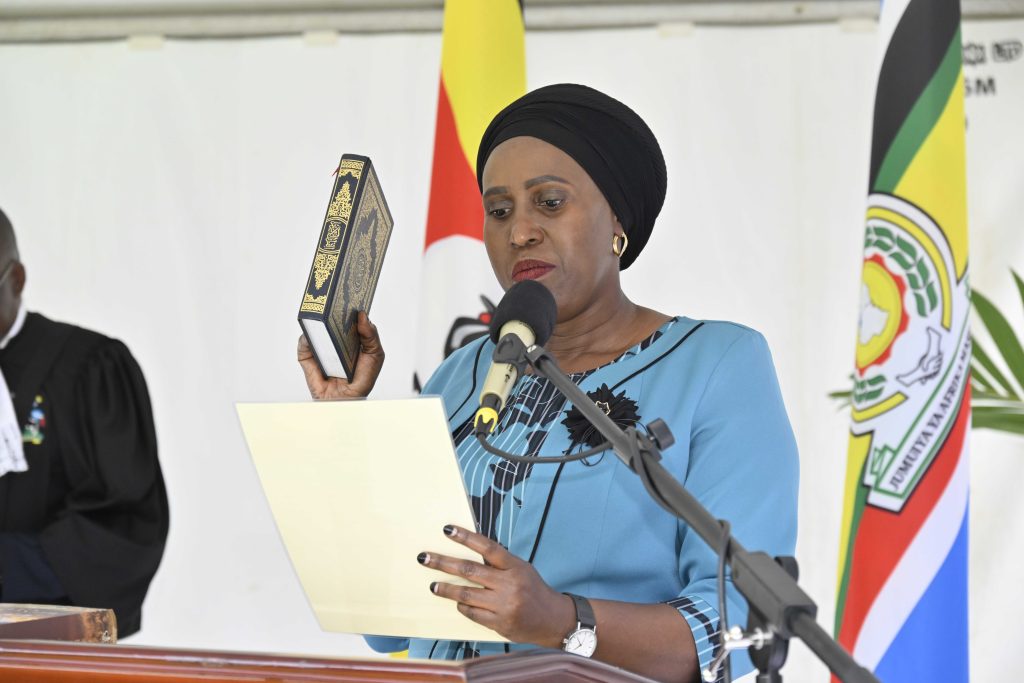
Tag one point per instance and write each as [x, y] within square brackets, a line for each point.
[584, 612]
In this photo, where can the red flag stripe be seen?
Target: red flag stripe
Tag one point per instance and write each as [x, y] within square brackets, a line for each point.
[883, 536]
[455, 207]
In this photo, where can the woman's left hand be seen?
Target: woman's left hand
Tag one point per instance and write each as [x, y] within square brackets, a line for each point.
[513, 599]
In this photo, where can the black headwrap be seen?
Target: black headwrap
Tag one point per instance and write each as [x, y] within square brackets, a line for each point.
[608, 139]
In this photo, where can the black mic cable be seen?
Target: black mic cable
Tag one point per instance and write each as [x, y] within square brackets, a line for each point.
[482, 438]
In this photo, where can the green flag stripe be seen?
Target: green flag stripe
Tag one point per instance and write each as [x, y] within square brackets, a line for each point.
[858, 512]
[921, 120]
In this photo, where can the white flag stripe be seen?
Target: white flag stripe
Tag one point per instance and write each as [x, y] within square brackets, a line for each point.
[915, 570]
[456, 272]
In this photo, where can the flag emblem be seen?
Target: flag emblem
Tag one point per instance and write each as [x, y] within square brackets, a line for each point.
[913, 349]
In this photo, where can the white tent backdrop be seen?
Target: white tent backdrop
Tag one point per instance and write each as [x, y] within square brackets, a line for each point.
[171, 195]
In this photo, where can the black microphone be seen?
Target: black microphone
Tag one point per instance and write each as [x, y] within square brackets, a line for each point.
[527, 311]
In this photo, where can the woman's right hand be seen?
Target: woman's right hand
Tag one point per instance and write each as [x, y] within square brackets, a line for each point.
[368, 366]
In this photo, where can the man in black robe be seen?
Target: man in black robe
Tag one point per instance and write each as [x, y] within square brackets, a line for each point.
[86, 523]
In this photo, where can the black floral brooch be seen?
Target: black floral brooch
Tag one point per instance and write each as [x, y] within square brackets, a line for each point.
[620, 408]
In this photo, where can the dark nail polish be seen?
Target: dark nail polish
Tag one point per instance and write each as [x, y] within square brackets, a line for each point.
[433, 587]
[449, 530]
[422, 558]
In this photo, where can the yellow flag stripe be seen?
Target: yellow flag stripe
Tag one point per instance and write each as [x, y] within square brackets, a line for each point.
[936, 179]
[483, 64]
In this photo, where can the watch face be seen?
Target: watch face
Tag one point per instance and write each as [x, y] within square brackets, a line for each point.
[581, 642]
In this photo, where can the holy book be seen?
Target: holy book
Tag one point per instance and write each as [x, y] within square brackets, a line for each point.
[346, 266]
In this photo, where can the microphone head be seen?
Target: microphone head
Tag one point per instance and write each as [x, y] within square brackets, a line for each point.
[532, 304]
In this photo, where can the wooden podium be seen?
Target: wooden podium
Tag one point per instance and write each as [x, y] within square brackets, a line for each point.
[50, 662]
[56, 622]
[48, 658]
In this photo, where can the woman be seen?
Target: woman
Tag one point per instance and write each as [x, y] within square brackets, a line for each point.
[572, 181]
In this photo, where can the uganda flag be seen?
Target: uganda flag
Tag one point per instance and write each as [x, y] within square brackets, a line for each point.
[482, 70]
[902, 599]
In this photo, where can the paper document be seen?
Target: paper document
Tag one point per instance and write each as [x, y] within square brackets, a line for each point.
[358, 489]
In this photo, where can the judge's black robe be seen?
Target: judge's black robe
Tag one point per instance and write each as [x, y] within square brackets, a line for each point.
[86, 524]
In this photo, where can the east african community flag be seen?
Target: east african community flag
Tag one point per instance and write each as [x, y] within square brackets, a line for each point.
[482, 70]
[902, 599]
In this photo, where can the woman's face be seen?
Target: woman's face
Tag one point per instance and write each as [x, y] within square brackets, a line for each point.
[545, 219]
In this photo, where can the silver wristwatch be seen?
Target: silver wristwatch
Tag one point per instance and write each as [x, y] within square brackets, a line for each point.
[582, 640]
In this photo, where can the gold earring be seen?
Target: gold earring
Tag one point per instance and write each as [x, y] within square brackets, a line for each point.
[619, 248]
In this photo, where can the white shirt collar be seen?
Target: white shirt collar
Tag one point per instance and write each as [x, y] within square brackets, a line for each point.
[19, 322]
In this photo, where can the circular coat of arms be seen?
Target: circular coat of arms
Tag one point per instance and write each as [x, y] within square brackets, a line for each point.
[913, 347]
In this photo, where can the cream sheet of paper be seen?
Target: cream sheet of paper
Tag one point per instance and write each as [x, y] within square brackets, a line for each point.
[358, 489]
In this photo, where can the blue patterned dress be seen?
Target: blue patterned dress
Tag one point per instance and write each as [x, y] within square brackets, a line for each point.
[589, 527]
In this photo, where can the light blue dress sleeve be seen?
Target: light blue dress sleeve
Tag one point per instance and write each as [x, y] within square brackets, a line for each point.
[743, 467]
[386, 643]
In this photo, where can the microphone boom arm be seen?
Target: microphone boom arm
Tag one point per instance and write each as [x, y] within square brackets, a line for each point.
[771, 592]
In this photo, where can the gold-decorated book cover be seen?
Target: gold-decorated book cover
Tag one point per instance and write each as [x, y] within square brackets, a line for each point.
[346, 266]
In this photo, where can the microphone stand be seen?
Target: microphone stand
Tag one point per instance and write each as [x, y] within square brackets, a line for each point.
[779, 608]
